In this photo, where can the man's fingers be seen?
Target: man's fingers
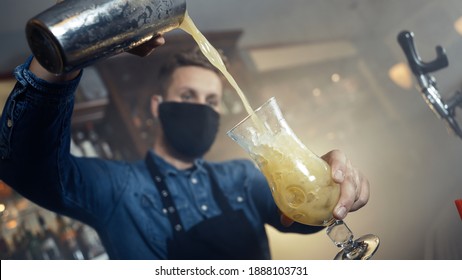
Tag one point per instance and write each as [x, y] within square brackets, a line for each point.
[354, 187]
[337, 160]
[148, 47]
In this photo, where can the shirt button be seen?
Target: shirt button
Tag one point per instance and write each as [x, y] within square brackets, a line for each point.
[164, 211]
[164, 193]
[204, 207]
[240, 199]
[157, 178]
[171, 209]
[9, 123]
[194, 181]
[178, 227]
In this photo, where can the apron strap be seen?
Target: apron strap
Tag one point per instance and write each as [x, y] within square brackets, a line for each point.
[167, 200]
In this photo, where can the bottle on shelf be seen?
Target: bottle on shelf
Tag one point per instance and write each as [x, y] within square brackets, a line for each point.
[49, 242]
[68, 240]
[89, 242]
[87, 142]
[5, 250]
[101, 147]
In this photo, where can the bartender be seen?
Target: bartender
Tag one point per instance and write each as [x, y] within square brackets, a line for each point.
[172, 204]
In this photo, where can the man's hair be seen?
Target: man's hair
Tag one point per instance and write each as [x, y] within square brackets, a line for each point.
[193, 57]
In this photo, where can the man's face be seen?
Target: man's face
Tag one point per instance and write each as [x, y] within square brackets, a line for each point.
[196, 85]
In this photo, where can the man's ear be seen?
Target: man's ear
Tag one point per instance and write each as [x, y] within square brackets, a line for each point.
[155, 102]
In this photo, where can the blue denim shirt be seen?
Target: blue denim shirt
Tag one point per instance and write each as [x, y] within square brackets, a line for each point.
[118, 199]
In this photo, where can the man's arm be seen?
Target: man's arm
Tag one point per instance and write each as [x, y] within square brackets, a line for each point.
[35, 159]
[43, 74]
[35, 137]
[35, 133]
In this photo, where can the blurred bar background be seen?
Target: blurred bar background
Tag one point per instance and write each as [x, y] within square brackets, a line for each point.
[340, 78]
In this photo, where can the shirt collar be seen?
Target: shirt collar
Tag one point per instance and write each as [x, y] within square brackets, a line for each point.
[168, 169]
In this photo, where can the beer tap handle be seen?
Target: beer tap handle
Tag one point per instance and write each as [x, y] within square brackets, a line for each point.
[427, 83]
[418, 67]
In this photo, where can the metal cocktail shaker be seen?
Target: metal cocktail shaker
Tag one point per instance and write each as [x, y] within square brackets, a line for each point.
[75, 33]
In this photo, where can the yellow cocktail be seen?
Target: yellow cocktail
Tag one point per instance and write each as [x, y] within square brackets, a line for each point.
[300, 181]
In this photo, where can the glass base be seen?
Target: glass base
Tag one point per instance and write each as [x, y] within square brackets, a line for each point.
[367, 245]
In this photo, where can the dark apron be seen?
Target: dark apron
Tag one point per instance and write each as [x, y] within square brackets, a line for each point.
[228, 236]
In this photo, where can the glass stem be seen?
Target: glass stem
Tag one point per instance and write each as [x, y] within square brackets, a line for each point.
[342, 237]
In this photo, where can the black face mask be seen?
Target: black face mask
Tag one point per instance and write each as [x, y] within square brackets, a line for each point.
[189, 128]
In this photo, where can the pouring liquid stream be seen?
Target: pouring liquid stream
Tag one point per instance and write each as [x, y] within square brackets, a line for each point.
[214, 57]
